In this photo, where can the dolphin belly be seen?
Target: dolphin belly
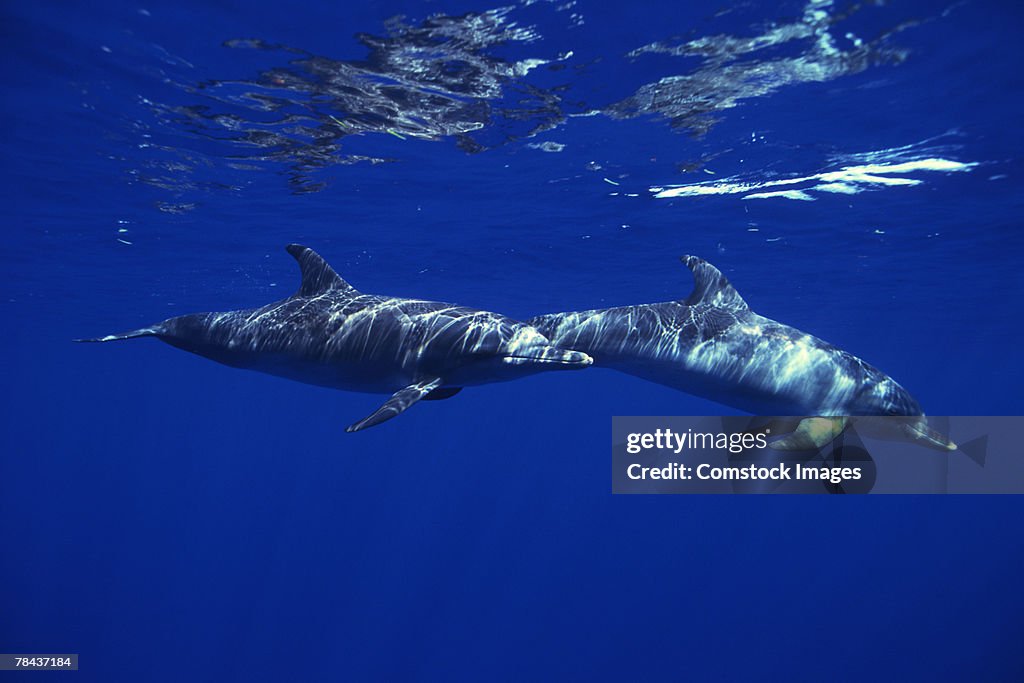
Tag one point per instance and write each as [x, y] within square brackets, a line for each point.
[744, 387]
[354, 375]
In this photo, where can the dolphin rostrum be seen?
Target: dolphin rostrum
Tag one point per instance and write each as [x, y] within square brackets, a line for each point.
[332, 335]
[712, 345]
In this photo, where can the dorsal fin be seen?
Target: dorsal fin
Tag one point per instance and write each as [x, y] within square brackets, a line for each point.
[317, 276]
[710, 286]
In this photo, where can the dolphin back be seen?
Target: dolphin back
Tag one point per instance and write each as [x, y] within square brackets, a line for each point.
[712, 294]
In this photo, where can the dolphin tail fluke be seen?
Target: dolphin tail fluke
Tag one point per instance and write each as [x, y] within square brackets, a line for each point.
[398, 403]
[133, 334]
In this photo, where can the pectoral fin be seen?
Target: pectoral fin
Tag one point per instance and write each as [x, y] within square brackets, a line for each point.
[811, 434]
[398, 402]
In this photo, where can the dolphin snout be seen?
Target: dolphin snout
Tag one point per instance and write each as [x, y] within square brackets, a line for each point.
[551, 354]
[919, 430]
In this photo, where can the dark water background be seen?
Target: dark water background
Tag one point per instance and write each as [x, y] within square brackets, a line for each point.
[171, 519]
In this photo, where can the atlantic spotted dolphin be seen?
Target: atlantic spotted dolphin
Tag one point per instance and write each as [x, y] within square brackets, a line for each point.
[712, 345]
[332, 335]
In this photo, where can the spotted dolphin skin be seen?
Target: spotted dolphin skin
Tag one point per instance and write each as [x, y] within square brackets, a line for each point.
[712, 345]
[332, 335]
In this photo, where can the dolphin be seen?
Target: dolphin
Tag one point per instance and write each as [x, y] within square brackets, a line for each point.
[329, 334]
[712, 345]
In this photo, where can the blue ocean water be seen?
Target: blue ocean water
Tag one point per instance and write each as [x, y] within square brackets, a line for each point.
[855, 169]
